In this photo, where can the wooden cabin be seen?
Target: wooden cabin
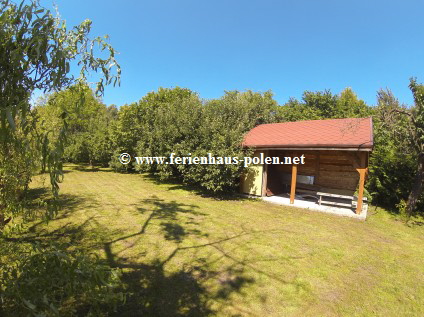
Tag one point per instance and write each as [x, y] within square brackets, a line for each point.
[336, 154]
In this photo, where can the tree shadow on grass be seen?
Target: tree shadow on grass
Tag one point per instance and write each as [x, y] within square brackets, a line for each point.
[176, 184]
[173, 216]
[176, 219]
[155, 292]
[167, 284]
[66, 205]
[201, 285]
[85, 167]
[40, 231]
[37, 193]
[415, 222]
[152, 289]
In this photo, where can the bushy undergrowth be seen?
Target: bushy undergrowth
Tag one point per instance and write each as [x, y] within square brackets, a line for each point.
[55, 282]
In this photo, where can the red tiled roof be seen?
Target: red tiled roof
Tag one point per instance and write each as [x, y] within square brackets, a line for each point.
[334, 133]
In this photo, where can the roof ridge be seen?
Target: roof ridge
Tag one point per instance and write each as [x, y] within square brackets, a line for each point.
[314, 120]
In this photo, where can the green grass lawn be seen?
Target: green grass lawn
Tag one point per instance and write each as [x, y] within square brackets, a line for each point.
[183, 254]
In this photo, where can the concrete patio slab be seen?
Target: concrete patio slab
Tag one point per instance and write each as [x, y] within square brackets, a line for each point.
[313, 206]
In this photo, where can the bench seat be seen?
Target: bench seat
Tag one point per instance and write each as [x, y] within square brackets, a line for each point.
[352, 199]
[328, 196]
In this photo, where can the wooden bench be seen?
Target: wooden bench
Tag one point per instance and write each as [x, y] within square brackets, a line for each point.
[321, 193]
[352, 199]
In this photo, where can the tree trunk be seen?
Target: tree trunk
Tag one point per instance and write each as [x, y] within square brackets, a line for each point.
[3, 221]
[417, 186]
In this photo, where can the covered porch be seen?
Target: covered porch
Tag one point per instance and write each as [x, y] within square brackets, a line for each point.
[299, 202]
[333, 175]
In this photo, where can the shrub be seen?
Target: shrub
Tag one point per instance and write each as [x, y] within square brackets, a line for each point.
[55, 282]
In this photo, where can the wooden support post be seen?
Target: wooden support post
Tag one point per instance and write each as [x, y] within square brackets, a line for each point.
[293, 183]
[362, 170]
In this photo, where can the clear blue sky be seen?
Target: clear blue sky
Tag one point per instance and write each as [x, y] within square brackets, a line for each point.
[285, 46]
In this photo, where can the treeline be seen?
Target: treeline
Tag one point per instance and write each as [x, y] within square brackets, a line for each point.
[177, 120]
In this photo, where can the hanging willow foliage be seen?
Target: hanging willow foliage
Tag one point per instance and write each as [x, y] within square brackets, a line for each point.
[36, 50]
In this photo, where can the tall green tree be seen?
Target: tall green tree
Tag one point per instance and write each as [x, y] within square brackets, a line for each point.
[171, 118]
[177, 121]
[416, 116]
[36, 50]
[87, 120]
[223, 124]
[295, 110]
[393, 160]
[125, 132]
[348, 105]
[324, 105]
[324, 102]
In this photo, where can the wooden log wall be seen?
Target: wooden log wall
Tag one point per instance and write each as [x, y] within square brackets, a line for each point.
[331, 169]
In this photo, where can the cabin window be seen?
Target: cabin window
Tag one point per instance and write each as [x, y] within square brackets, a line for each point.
[301, 179]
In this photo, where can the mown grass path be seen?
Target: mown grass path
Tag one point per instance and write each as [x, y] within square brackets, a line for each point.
[183, 254]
